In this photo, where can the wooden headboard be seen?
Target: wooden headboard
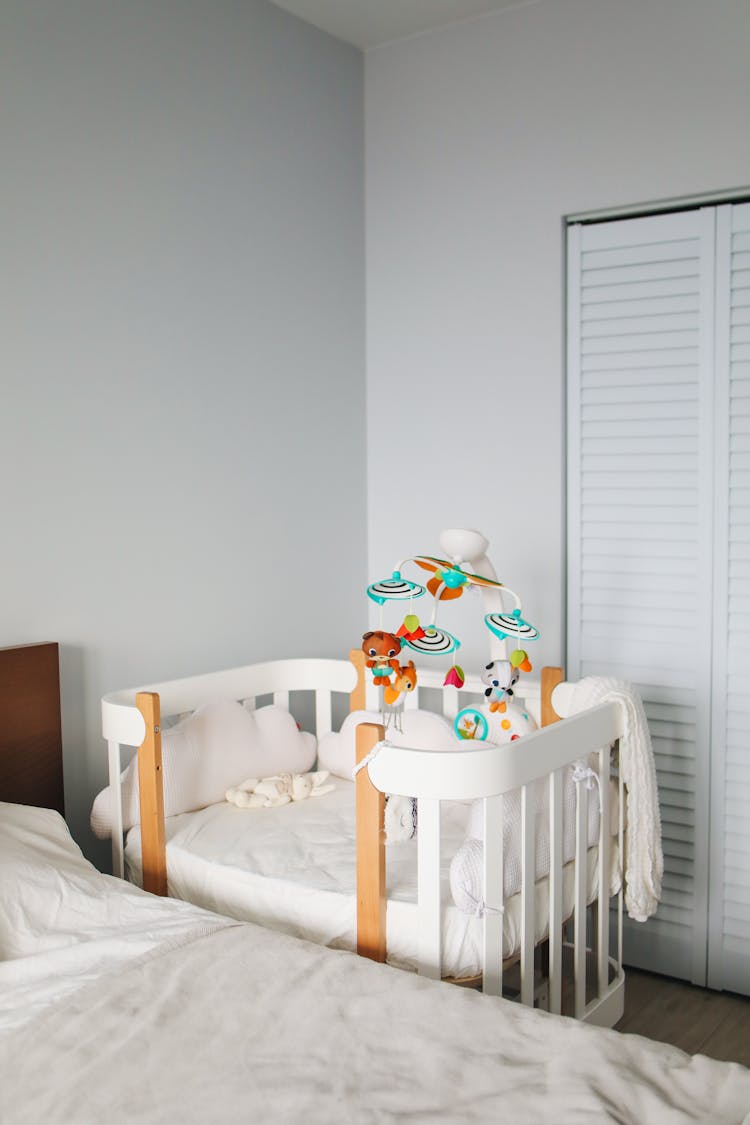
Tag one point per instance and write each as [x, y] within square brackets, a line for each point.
[31, 765]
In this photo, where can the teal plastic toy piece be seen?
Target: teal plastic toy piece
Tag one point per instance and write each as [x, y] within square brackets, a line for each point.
[394, 589]
[470, 724]
[510, 625]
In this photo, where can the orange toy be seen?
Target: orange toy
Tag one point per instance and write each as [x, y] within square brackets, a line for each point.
[405, 680]
[381, 654]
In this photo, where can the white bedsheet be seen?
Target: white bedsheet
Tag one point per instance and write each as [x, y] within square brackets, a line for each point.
[293, 869]
[248, 1025]
[63, 924]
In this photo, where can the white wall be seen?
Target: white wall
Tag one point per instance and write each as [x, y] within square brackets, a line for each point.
[480, 138]
[181, 284]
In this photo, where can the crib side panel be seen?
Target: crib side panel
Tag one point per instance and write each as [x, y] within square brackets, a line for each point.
[488, 773]
[469, 774]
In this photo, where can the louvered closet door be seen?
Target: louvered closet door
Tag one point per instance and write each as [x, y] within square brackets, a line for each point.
[729, 901]
[640, 447]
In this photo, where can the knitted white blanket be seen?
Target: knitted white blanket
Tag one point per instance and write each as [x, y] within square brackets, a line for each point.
[644, 860]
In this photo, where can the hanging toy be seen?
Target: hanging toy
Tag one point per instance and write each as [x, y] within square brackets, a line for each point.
[497, 719]
[411, 630]
[501, 677]
[394, 694]
[381, 655]
[519, 659]
[405, 680]
[454, 677]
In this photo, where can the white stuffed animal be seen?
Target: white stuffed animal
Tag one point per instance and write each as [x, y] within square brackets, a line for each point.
[282, 789]
[501, 677]
[400, 818]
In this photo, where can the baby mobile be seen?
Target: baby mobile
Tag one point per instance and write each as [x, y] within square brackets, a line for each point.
[385, 650]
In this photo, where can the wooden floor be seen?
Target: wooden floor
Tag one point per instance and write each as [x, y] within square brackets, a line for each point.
[694, 1019]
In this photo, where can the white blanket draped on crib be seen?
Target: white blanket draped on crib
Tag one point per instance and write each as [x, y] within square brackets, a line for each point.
[644, 859]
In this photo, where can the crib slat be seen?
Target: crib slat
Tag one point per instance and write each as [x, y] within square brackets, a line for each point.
[621, 855]
[323, 721]
[411, 700]
[492, 882]
[281, 699]
[115, 788]
[527, 897]
[581, 872]
[429, 948]
[450, 703]
[555, 892]
[602, 936]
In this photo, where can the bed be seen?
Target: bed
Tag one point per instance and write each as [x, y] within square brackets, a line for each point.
[244, 864]
[119, 1005]
[122, 1006]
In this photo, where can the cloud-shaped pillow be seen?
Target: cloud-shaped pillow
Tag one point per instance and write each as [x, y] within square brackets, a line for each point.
[210, 751]
[423, 730]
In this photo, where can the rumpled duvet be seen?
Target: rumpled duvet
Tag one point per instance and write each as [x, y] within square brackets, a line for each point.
[246, 1025]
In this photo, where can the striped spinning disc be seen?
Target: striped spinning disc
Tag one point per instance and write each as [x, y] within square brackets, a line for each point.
[510, 625]
[435, 642]
[394, 589]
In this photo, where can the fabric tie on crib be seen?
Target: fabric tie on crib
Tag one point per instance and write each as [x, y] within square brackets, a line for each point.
[369, 757]
[466, 880]
[586, 776]
[400, 822]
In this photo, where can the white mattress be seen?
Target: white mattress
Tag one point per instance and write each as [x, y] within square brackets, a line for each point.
[293, 869]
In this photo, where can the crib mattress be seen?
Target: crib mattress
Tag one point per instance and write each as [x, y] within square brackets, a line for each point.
[293, 869]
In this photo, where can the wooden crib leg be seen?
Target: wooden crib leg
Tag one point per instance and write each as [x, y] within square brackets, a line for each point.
[551, 677]
[358, 697]
[371, 900]
[153, 847]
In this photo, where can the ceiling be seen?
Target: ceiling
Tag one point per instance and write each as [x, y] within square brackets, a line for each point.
[368, 23]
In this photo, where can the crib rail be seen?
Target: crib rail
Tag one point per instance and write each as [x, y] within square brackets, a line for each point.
[435, 775]
[123, 723]
[488, 774]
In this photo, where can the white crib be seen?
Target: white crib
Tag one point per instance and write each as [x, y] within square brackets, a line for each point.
[133, 718]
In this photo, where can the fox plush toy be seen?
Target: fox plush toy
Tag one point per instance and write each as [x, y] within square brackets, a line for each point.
[395, 694]
[405, 680]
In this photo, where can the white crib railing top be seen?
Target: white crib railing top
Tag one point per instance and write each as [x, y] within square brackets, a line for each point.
[123, 723]
[468, 774]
